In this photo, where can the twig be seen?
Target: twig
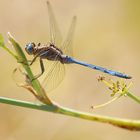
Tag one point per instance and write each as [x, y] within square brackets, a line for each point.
[123, 123]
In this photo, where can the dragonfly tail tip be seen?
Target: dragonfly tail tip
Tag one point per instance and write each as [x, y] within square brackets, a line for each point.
[129, 77]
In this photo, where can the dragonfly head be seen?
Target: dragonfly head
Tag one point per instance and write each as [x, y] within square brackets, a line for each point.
[30, 48]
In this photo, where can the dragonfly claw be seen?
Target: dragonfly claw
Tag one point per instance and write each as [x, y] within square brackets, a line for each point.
[35, 77]
[23, 62]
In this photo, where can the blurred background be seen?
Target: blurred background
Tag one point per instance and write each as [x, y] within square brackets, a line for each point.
[107, 34]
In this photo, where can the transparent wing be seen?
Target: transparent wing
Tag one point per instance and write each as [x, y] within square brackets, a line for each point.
[54, 70]
[55, 34]
[54, 76]
[67, 45]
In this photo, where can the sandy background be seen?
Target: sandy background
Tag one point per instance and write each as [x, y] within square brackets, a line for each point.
[107, 34]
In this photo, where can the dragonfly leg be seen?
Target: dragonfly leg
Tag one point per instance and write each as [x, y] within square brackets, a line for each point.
[32, 61]
[18, 61]
[42, 70]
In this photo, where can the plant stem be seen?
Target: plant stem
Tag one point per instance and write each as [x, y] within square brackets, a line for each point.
[123, 123]
[9, 51]
[135, 98]
[23, 60]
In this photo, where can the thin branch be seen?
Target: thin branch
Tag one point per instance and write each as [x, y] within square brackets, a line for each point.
[123, 123]
[23, 60]
[132, 96]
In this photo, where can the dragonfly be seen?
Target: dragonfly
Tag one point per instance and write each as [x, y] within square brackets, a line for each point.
[59, 52]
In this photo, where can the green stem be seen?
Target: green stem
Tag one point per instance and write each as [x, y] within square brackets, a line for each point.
[23, 60]
[135, 98]
[123, 123]
[9, 51]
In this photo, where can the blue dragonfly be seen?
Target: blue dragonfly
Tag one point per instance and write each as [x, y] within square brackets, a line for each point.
[58, 54]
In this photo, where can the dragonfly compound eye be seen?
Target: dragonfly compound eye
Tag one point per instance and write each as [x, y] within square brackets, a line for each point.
[30, 48]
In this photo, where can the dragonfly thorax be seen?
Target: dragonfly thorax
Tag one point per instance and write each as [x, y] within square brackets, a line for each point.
[49, 52]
